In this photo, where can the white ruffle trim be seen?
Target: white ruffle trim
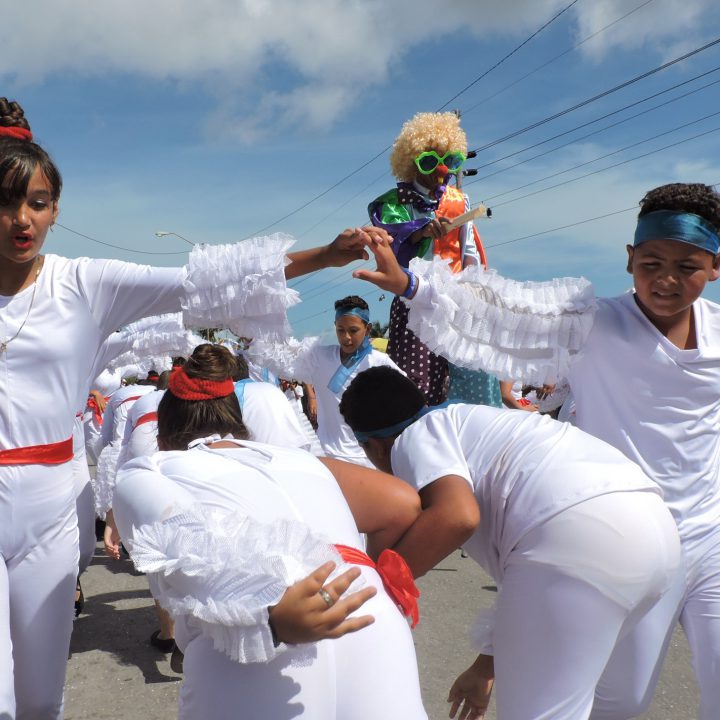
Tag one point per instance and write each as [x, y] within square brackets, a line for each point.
[228, 568]
[154, 341]
[514, 330]
[285, 359]
[240, 287]
[104, 482]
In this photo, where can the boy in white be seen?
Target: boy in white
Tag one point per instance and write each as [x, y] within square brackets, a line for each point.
[644, 370]
[576, 536]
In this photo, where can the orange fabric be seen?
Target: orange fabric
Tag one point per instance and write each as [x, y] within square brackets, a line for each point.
[452, 204]
[396, 576]
[146, 418]
[51, 454]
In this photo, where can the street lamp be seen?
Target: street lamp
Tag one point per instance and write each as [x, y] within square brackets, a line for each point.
[165, 233]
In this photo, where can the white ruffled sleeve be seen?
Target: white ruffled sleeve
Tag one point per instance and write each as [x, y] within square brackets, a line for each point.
[291, 359]
[514, 330]
[104, 481]
[240, 287]
[224, 570]
[151, 343]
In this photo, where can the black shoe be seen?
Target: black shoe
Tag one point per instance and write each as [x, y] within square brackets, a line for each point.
[80, 602]
[176, 660]
[163, 645]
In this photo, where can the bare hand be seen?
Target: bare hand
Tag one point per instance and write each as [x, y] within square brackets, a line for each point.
[312, 411]
[100, 400]
[303, 616]
[434, 229]
[388, 274]
[111, 538]
[350, 245]
[472, 690]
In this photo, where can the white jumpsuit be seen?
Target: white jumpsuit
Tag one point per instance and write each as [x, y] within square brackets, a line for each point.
[77, 304]
[576, 536]
[222, 533]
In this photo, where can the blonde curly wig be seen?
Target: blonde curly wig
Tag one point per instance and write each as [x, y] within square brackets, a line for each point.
[426, 131]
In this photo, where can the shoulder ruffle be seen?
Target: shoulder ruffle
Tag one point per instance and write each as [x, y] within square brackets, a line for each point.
[154, 341]
[240, 287]
[514, 330]
[224, 570]
[285, 359]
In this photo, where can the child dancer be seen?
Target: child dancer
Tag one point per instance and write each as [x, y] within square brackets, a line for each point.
[225, 527]
[54, 314]
[658, 349]
[330, 368]
[576, 536]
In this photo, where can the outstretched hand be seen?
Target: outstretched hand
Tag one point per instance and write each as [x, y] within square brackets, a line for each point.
[351, 245]
[302, 615]
[388, 274]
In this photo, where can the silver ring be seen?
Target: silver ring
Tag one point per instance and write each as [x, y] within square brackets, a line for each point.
[325, 595]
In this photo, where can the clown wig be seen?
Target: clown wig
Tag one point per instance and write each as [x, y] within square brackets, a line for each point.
[426, 131]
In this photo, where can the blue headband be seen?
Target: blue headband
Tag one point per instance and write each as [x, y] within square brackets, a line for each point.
[683, 227]
[363, 314]
[362, 436]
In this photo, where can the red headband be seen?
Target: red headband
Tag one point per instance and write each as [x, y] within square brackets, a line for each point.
[187, 388]
[16, 132]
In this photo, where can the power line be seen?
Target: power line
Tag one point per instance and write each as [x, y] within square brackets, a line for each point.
[557, 57]
[602, 157]
[603, 94]
[509, 55]
[600, 130]
[117, 247]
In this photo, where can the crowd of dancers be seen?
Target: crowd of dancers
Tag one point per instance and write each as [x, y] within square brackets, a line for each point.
[282, 556]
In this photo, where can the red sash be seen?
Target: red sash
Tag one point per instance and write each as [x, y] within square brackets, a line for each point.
[134, 397]
[92, 405]
[51, 454]
[396, 576]
[146, 418]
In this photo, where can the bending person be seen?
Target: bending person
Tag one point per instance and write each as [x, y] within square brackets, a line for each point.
[227, 528]
[576, 536]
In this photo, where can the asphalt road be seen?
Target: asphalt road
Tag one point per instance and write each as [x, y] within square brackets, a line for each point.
[114, 673]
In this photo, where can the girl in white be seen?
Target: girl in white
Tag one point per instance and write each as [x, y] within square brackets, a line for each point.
[54, 315]
[223, 528]
[576, 536]
[329, 368]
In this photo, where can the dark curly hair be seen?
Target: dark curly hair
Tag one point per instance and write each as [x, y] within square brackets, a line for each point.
[350, 302]
[19, 158]
[182, 421]
[696, 198]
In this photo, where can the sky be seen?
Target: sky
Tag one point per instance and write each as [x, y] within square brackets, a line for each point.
[219, 120]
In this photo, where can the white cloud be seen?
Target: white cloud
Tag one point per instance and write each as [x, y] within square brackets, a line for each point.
[327, 53]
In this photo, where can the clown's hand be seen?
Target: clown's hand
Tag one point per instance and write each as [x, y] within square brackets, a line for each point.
[388, 275]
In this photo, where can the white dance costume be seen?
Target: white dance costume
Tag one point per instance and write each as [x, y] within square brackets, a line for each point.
[77, 304]
[309, 361]
[632, 387]
[222, 534]
[576, 536]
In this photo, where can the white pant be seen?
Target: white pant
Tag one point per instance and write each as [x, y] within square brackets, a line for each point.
[38, 569]
[371, 674]
[572, 587]
[628, 684]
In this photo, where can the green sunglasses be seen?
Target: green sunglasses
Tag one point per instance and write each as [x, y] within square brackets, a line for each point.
[427, 162]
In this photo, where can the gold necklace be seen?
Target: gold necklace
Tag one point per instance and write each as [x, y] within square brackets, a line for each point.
[3, 345]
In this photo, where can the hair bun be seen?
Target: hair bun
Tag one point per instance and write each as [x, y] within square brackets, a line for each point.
[12, 114]
[211, 362]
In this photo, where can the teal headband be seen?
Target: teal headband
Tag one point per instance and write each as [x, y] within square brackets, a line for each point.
[683, 227]
[362, 436]
[364, 315]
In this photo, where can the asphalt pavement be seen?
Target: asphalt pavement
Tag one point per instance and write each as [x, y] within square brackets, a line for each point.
[114, 673]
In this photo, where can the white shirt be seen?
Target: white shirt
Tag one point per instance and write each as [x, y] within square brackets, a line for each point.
[523, 469]
[78, 303]
[117, 409]
[657, 403]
